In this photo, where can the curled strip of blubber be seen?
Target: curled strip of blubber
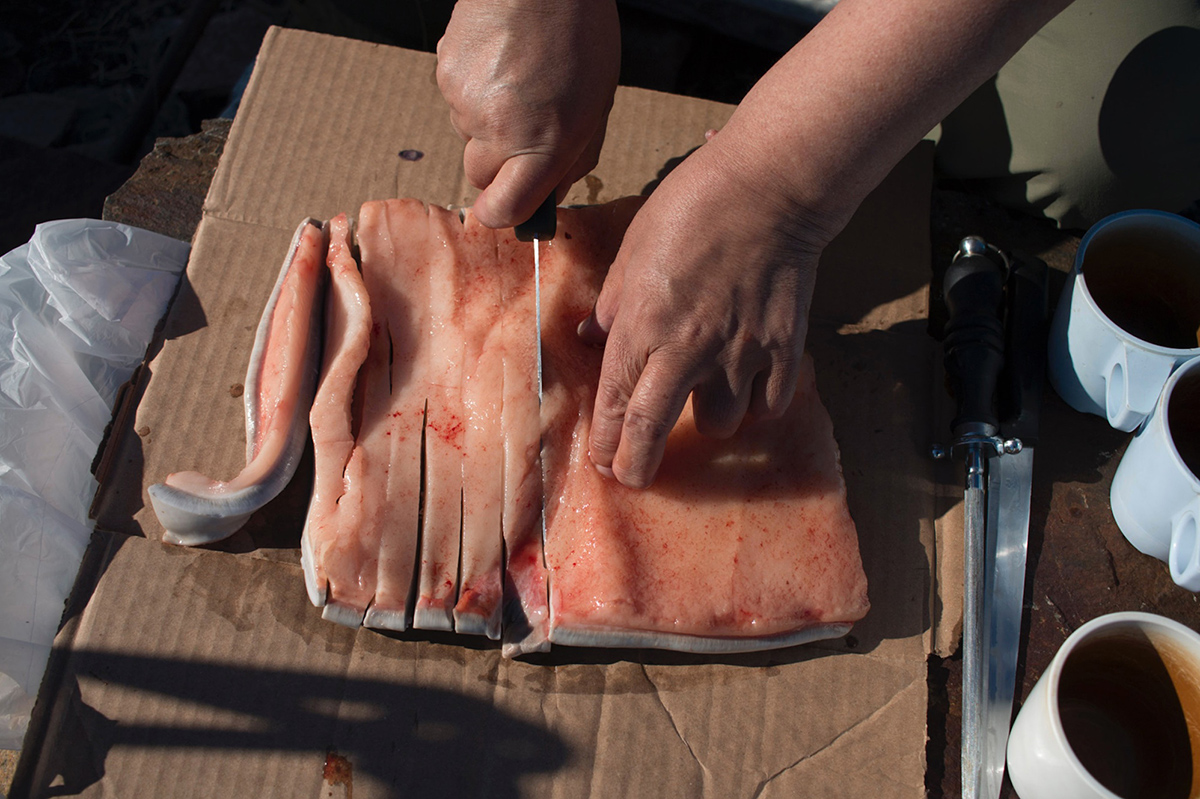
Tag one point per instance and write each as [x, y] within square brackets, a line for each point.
[194, 509]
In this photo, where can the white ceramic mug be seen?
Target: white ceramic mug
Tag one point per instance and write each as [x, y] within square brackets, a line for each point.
[1128, 315]
[1155, 493]
[1116, 714]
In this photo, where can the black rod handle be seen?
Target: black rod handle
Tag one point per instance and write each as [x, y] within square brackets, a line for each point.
[542, 225]
[1025, 359]
[973, 288]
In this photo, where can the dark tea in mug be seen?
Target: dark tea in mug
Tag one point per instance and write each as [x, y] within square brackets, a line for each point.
[1183, 420]
[1130, 708]
[1146, 279]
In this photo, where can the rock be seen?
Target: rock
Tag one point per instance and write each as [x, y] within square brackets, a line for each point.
[166, 194]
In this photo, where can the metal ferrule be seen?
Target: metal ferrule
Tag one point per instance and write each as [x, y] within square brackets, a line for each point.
[976, 469]
[990, 446]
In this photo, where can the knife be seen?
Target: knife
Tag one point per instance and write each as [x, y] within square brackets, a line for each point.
[1009, 488]
[538, 228]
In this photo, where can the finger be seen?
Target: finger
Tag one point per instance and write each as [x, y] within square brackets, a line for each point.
[604, 312]
[522, 183]
[774, 388]
[590, 331]
[619, 373]
[460, 130]
[719, 405]
[481, 160]
[652, 411]
[594, 329]
[587, 160]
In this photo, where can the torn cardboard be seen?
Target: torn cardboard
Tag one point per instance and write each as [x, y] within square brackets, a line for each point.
[206, 672]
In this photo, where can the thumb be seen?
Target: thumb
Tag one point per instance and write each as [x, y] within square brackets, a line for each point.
[522, 183]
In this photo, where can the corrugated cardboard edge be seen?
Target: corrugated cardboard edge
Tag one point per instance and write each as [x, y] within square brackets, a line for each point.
[948, 520]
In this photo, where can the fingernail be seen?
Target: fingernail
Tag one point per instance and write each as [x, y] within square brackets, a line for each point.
[590, 331]
[605, 470]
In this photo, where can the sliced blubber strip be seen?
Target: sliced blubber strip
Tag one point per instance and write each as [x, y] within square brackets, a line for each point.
[740, 544]
[331, 558]
[526, 609]
[195, 509]
[478, 316]
[441, 526]
[396, 248]
[363, 510]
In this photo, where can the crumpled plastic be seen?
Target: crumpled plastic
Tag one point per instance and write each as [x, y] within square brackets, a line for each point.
[78, 307]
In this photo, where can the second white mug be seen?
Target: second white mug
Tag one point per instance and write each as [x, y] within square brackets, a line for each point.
[1155, 493]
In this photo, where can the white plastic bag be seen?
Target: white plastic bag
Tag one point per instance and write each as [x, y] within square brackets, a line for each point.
[78, 306]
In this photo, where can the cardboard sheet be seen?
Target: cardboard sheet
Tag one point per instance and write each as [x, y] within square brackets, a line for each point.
[207, 673]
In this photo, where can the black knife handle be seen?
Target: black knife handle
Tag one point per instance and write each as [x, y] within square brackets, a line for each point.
[974, 344]
[1025, 359]
[542, 225]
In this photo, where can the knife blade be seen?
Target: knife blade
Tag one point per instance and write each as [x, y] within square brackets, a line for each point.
[538, 228]
[1010, 482]
[973, 290]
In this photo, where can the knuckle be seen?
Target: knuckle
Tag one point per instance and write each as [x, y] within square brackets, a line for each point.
[611, 399]
[718, 408]
[643, 428]
[714, 424]
[632, 478]
[445, 73]
[602, 446]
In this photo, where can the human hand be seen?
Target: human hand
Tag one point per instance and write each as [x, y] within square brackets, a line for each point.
[708, 295]
[529, 85]
[710, 290]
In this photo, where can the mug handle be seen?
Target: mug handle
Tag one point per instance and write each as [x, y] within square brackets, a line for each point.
[1131, 387]
[1184, 557]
